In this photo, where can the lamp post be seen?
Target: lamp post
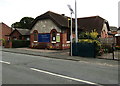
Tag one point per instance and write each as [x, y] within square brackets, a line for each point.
[76, 30]
[72, 12]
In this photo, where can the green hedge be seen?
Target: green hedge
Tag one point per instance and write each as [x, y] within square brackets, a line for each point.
[20, 43]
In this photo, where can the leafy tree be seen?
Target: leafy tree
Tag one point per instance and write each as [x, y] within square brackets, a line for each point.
[16, 25]
[25, 23]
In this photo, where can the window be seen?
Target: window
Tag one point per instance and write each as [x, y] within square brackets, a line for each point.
[69, 23]
[53, 36]
[35, 35]
[68, 35]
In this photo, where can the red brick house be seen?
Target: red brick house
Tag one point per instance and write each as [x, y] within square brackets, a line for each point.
[52, 30]
[20, 34]
[4, 30]
[94, 22]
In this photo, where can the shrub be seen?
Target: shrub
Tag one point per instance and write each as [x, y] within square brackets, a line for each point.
[107, 48]
[88, 35]
[20, 43]
[3, 41]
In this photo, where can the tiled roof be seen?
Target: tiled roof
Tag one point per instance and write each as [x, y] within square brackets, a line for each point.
[23, 31]
[93, 22]
[87, 23]
[112, 28]
[60, 20]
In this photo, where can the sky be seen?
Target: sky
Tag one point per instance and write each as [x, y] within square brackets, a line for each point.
[13, 10]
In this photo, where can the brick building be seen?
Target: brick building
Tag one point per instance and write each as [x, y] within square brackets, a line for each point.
[20, 34]
[4, 31]
[51, 30]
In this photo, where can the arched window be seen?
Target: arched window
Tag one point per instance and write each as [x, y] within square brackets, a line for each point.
[53, 35]
[35, 33]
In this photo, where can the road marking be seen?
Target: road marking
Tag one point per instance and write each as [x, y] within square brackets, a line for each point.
[67, 77]
[5, 62]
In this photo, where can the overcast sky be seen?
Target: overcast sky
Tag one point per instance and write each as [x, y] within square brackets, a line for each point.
[13, 10]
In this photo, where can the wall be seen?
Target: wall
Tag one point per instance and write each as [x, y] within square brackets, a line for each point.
[15, 34]
[45, 26]
[4, 30]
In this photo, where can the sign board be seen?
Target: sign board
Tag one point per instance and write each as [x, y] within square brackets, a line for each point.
[58, 38]
[43, 37]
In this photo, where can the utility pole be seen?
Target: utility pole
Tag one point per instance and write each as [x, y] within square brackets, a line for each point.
[76, 28]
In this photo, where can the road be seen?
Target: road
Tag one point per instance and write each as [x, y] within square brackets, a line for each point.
[28, 69]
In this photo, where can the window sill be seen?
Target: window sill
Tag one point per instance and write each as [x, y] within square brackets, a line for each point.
[53, 42]
[68, 42]
[35, 41]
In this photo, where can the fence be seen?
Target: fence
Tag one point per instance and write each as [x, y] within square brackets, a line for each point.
[108, 46]
[84, 49]
[107, 40]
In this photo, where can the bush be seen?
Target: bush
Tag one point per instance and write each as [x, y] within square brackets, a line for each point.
[3, 41]
[107, 48]
[20, 43]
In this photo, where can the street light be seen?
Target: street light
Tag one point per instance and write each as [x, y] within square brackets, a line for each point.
[72, 12]
[76, 30]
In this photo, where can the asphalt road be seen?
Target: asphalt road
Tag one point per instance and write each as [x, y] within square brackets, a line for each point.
[28, 69]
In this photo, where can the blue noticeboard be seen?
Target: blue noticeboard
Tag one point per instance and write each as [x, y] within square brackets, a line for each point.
[43, 37]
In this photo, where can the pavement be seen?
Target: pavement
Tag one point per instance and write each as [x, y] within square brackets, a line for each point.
[61, 54]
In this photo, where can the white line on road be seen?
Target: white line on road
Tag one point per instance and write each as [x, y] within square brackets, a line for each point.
[67, 77]
[5, 62]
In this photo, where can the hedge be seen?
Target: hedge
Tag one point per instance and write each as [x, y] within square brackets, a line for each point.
[20, 43]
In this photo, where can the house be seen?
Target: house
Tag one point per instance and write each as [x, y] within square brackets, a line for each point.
[20, 34]
[4, 30]
[51, 30]
[87, 24]
[113, 31]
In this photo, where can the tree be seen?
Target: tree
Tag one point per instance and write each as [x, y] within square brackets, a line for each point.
[88, 35]
[16, 25]
[25, 23]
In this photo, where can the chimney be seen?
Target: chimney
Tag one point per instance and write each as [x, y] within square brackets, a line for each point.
[63, 14]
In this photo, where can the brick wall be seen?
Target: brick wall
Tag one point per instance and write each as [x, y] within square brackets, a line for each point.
[4, 30]
[15, 34]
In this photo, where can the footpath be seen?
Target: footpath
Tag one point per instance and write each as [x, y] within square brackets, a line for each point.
[61, 54]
